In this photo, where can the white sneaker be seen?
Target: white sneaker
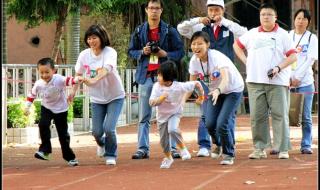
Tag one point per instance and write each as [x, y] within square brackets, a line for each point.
[283, 155]
[185, 155]
[166, 163]
[203, 152]
[111, 161]
[216, 153]
[227, 160]
[100, 151]
[257, 154]
[74, 162]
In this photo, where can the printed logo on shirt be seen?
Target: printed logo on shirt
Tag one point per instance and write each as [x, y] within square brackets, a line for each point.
[153, 59]
[265, 43]
[50, 94]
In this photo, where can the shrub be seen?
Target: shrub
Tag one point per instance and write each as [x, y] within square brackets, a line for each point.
[16, 117]
[78, 107]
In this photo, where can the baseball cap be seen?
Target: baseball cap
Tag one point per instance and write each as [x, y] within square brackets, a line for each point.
[216, 2]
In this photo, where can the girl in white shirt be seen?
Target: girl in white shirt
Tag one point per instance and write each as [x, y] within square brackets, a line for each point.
[99, 64]
[168, 97]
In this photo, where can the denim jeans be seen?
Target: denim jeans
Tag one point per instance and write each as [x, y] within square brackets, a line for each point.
[145, 112]
[308, 91]
[204, 139]
[218, 119]
[104, 121]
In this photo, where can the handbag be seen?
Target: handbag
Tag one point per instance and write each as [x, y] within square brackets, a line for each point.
[296, 109]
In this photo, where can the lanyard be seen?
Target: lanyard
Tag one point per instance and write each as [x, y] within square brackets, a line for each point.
[300, 37]
[205, 76]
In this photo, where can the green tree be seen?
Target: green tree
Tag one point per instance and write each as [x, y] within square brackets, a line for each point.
[35, 12]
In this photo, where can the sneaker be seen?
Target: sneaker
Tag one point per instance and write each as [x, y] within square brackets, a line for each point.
[73, 162]
[100, 151]
[257, 154]
[175, 154]
[166, 163]
[42, 155]
[306, 151]
[216, 153]
[283, 155]
[227, 160]
[110, 161]
[203, 152]
[140, 155]
[185, 155]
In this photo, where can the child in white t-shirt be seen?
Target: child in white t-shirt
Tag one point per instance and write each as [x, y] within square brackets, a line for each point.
[51, 88]
[168, 97]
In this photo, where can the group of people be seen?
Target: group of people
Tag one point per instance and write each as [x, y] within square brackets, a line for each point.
[275, 60]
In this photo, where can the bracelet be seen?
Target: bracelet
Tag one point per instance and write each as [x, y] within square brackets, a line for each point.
[278, 68]
[219, 90]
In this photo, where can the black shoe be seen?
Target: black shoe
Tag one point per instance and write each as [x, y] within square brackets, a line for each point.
[140, 155]
[175, 154]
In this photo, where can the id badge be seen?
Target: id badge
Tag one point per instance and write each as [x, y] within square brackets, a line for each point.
[153, 59]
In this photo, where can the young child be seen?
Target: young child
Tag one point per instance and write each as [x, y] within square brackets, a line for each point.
[51, 88]
[168, 97]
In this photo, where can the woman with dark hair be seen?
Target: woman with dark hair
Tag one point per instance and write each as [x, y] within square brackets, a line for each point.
[99, 64]
[301, 80]
[225, 86]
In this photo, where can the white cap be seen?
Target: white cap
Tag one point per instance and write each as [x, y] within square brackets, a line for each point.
[216, 2]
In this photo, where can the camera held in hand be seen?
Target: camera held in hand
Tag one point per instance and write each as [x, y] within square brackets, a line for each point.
[154, 46]
[270, 74]
[212, 21]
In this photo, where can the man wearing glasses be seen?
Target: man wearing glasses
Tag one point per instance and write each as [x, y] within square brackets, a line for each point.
[151, 44]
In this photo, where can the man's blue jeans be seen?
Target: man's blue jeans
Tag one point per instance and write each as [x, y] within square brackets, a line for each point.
[104, 121]
[145, 112]
[308, 91]
[219, 119]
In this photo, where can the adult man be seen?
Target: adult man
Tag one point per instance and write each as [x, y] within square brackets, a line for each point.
[269, 55]
[221, 32]
[149, 46]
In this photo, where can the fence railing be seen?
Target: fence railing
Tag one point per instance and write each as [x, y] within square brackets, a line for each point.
[18, 79]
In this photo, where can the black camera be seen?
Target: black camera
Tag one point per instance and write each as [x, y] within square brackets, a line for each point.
[154, 46]
[212, 21]
[270, 74]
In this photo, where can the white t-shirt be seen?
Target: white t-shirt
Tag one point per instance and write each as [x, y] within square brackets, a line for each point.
[217, 61]
[265, 51]
[108, 88]
[307, 53]
[53, 93]
[174, 102]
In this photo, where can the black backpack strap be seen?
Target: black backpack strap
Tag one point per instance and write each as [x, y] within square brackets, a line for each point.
[309, 38]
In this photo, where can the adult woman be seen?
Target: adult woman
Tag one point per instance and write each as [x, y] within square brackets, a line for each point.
[301, 80]
[106, 91]
[225, 92]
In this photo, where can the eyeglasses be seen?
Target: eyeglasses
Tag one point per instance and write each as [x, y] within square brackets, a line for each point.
[266, 15]
[154, 8]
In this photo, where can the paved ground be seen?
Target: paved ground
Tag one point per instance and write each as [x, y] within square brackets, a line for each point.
[21, 171]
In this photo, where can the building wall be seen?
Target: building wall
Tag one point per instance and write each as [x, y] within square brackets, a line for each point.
[20, 48]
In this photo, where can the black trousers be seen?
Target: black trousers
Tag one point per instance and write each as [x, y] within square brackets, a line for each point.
[60, 120]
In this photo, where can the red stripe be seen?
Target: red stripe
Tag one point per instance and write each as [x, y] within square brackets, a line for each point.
[240, 44]
[29, 99]
[67, 81]
[291, 51]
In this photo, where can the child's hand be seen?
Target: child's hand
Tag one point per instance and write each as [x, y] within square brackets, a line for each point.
[78, 79]
[89, 81]
[200, 100]
[153, 102]
[26, 111]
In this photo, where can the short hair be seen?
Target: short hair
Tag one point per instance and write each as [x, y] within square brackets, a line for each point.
[101, 32]
[201, 34]
[155, 1]
[168, 70]
[268, 6]
[306, 14]
[46, 61]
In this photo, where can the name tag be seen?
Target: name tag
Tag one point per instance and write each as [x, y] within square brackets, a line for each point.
[153, 59]
[225, 34]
